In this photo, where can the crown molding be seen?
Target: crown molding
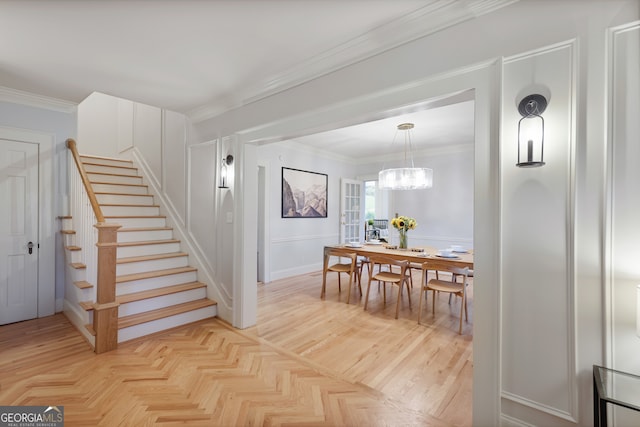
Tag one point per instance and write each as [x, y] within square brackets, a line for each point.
[15, 96]
[435, 16]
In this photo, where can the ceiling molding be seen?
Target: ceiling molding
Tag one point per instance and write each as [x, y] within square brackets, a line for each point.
[15, 96]
[437, 150]
[435, 16]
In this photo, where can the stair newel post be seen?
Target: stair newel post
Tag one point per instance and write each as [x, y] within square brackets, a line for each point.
[105, 315]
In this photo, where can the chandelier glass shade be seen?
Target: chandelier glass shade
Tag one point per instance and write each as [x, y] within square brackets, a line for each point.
[406, 178]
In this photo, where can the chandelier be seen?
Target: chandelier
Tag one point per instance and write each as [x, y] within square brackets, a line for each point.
[406, 178]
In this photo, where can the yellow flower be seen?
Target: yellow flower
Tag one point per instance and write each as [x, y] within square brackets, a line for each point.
[404, 223]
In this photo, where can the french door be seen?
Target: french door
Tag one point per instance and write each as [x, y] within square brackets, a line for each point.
[18, 231]
[351, 210]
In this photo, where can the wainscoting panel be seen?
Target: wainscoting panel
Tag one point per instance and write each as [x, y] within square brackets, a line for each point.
[538, 366]
[623, 252]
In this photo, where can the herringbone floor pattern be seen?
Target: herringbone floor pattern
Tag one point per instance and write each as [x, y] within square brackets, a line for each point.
[201, 374]
[307, 362]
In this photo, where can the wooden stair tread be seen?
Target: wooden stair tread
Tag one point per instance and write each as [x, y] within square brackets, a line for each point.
[73, 248]
[147, 242]
[115, 159]
[150, 257]
[68, 231]
[155, 273]
[130, 205]
[135, 216]
[86, 305]
[152, 293]
[78, 265]
[119, 183]
[109, 166]
[148, 316]
[89, 328]
[111, 174]
[144, 229]
[111, 193]
[65, 217]
[83, 284]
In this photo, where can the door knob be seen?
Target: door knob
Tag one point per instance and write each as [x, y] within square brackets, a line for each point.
[30, 246]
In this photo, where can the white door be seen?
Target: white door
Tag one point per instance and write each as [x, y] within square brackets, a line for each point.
[18, 231]
[351, 211]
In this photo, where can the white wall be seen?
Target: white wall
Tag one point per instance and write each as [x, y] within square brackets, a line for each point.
[296, 243]
[623, 251]
[572, 189]
[444, 212]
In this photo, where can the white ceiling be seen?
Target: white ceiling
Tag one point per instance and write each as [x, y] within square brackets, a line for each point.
[200, 57]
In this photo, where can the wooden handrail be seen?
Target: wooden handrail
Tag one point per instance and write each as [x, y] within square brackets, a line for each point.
[71, 145]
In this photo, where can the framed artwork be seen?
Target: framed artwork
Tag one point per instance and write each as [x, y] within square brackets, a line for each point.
[304, 194]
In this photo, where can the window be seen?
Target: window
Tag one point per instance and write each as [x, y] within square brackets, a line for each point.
[370, 200]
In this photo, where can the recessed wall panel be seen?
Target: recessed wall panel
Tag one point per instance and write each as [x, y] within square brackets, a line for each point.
[538, 355]
[625, 205]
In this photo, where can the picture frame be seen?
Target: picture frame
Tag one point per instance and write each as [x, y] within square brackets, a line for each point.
[304, 194]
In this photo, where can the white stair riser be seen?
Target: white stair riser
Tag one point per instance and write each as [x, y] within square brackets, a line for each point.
[151, 265]
[74, 256]
[116, 179]
[107, 162]
[111, 170]
[66, 224]
[144, 235]
[130, 210]
[139, 222]
[155, 283]
[120, 189]
[124, 199]
[163, 301]
[69, 239]
[143, 329]
[141, 250]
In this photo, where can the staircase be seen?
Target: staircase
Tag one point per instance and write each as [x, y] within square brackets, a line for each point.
[155, 287]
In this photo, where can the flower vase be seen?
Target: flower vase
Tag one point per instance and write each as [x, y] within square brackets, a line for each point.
[403, 240]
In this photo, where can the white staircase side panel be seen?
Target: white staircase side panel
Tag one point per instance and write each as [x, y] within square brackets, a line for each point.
[125, 288]
[144, 235]
[79, 318]
[142, 250]
[138, 222]
[120, 188]
[114, 179]
[148, 328]
[115, 210]
[114, 170]
[151, 265]
[162, 301]
[125, 199]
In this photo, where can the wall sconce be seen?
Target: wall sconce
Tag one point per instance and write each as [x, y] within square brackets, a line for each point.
[531, 131]
[224, 170]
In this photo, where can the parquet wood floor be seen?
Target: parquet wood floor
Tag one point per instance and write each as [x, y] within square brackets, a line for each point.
[427, 367]
[279, 373]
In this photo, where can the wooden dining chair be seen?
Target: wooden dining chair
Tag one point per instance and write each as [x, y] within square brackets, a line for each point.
[340, 267]
[452, 286]
[399, 279]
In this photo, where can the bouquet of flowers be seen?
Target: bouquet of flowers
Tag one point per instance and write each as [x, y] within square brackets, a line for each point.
[403, 224]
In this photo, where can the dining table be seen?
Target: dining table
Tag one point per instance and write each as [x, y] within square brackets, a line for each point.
[415, 255]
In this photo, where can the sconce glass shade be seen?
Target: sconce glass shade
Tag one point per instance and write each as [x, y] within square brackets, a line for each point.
[224, 171]
[531, 131]
[407, 178]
